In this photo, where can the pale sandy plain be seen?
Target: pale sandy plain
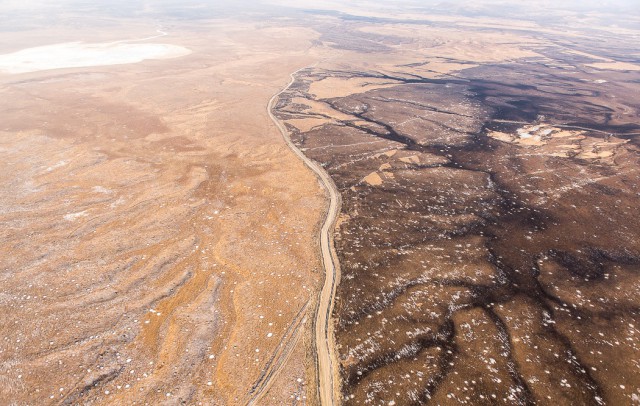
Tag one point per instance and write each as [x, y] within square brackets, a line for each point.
[158, 236]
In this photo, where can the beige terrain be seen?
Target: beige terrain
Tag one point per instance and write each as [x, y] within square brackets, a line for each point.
[151, 252]
[547, 140]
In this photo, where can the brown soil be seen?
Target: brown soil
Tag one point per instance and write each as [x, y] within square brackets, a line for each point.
[487, 234]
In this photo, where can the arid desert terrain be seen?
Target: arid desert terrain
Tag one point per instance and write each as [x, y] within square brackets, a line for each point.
[151, 252]
[171, 171]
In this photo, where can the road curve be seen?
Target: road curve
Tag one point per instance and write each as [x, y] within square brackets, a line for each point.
[327, 376]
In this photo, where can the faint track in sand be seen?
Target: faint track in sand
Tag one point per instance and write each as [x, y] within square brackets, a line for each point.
[158, 30]
[279, 357]
[323, 342]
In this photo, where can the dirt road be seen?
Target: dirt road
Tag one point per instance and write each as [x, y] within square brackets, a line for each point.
[323, 342]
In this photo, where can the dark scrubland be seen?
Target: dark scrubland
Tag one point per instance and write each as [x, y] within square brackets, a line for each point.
[477, 271]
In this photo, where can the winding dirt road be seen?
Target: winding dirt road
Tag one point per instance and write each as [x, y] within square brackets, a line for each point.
[327, 375]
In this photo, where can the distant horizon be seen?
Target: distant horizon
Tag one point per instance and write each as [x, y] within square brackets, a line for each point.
[612, 6]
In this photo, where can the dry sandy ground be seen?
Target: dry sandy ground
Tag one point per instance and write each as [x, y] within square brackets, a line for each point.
[157, 236]
[551, 141]
[150, 252]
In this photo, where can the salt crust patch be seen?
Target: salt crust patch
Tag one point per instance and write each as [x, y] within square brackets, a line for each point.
[74, 216]
[78, 55]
